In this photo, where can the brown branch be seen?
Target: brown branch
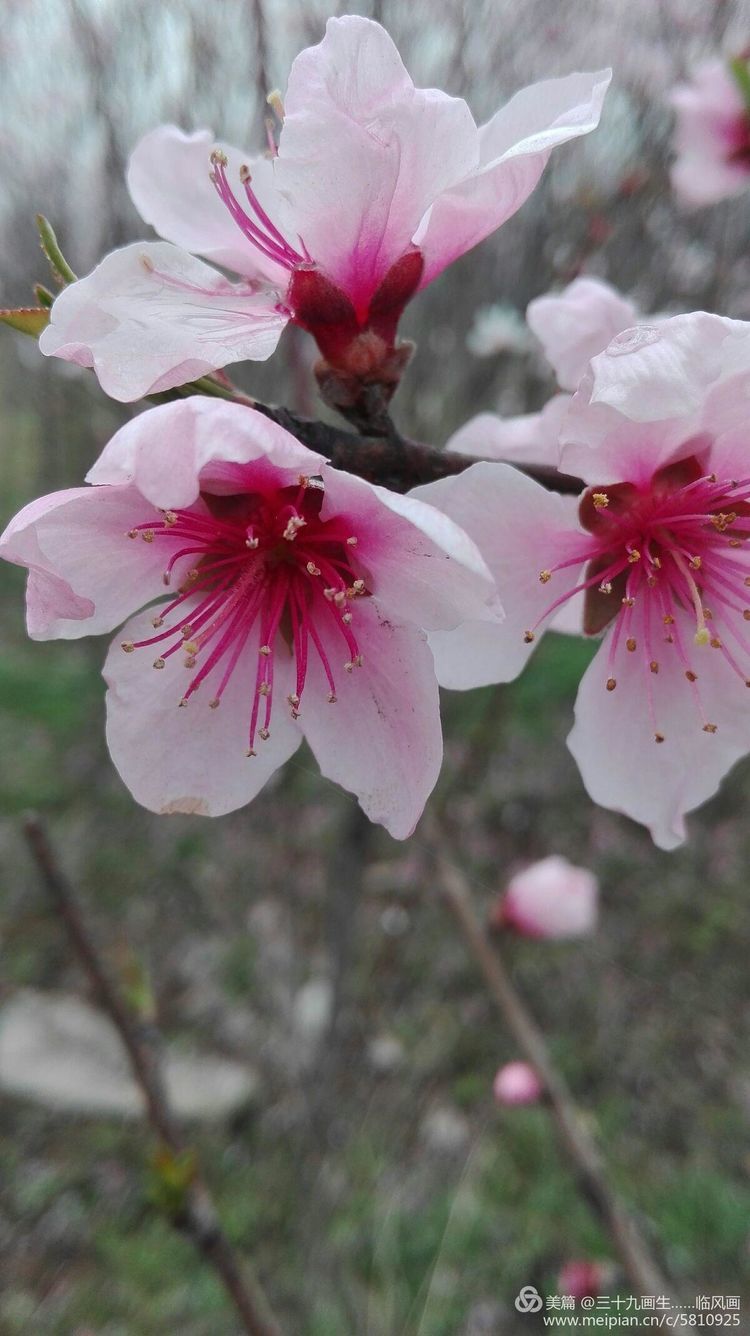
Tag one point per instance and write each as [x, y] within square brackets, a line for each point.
[196, 1216]
[383, 456]
[394, 461]
[638, 1264]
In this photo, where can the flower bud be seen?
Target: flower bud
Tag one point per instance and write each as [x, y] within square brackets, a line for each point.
[550, 899]
[516, 1083]
[581, 1278]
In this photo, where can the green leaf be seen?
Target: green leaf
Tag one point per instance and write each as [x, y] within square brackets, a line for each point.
[43, 295]
[60, 267]
[28, 319]
[172, 1174]
[741, 75]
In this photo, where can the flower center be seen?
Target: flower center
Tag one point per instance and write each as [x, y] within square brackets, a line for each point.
[256, 225]
[263, 561]
[677, 546]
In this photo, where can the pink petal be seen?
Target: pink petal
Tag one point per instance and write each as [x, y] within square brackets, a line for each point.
[664, 370]
[173, 451]
[381, 740]
[87, 575]
[613, 738]
[168, 180]
[710, 127]
[551, 899]
[193, 759]
[531, 438]
[150, 317]
[517, 1083]
[515, 146]
[362, 147]
[577, 323]
[423, 568]
[622, 451]
[520, 528]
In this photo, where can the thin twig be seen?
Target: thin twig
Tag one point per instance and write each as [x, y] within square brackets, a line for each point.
[638, 1264]
[197, 1217]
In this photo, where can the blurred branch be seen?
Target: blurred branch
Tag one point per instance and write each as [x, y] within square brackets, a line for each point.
[193, 1212]
[638, 1264]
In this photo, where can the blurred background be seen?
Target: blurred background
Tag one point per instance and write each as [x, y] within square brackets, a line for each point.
[332, 1039]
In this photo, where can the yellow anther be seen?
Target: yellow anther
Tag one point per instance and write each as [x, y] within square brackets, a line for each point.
[359, 586]
[276, 103]
[715, 642]
[215, 703]
[312, 569]
[654, 666]
[605, 588]
[634, 555]
[128, 646]
[293, 700]
[159, 663]
[156, 622]
[264, 733]
[147, 535]
[630, 644]
[600, 500]
[695, 563]
[528, 637]
[669, 620]
[190, 661]
[333, 698]
[191, 647]
[710, 728]
[170, 517]
[545, 576]
[219, 158]
[265, 649]
[264, 689]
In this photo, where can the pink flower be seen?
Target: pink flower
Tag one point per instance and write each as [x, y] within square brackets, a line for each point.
[572, 327]
[656, 550]
[517, 1083]
[712, 133]
[551, 899]
[263, 582]
[577, 323]
[375, 187]
[582, 1278]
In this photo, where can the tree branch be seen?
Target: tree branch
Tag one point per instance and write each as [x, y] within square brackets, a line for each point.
[638, 1264]
[196, 1215]
[384, 457]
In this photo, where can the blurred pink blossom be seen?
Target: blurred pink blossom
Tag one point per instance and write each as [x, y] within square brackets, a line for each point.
[572, 326]
[712, 134]
[375, 188]
[517, 1083]
[552, 898]
[582, 1278]
[657, 549]
[297, 600]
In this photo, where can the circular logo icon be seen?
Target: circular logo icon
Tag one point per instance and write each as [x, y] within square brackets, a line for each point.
[529, 1300]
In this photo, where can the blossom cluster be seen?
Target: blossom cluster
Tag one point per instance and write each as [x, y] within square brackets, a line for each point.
[262, 596]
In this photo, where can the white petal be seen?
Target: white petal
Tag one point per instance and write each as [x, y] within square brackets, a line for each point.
[151, 316]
